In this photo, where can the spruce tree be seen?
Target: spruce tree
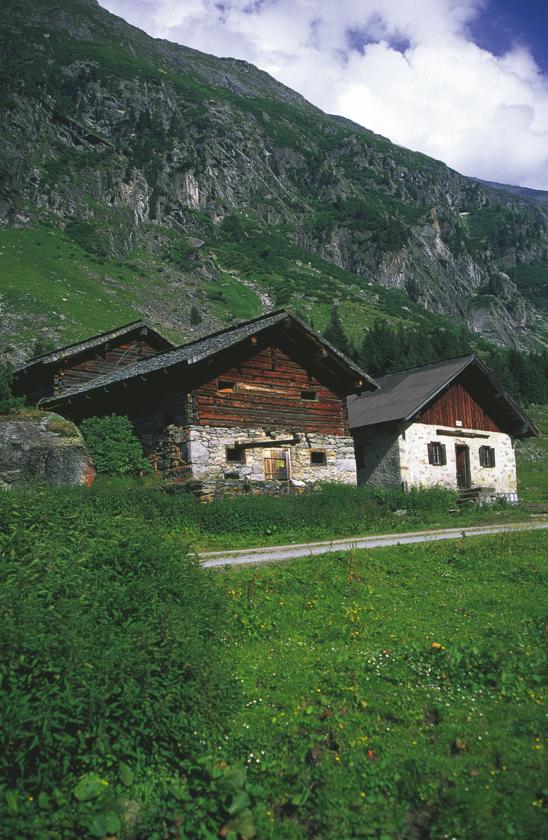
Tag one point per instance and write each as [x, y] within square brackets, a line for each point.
[335, 333]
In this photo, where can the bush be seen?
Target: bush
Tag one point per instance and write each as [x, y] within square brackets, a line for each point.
[114, 446]
[112, 660]
[8, 402]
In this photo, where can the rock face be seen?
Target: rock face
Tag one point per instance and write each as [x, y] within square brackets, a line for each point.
[47, 448]
[133, 145]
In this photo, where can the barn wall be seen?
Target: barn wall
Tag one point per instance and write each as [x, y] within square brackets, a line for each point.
[100, 361]
[378, 455]
[268, 386]
[457, 406]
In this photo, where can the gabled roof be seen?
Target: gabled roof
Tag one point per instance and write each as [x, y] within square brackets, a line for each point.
[204, 348]
[403, 394]
[77, 347]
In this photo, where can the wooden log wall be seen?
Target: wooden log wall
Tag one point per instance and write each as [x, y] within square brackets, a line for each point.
[267, 392]
[100, 361]
[457, 403]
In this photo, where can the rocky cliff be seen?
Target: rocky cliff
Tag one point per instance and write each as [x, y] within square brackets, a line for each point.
[139, 176]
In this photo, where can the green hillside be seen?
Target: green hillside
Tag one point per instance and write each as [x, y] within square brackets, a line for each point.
[145, 178]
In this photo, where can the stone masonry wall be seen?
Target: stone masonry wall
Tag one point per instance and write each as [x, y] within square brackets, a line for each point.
[199, 452]
[416, 471]
[380, 448]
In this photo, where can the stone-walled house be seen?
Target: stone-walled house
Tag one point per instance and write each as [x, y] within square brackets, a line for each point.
[260, 405]
[447, 424]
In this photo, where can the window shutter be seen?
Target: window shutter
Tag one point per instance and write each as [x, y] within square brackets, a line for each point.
[430, 453]
[482, 456]
[492, 457]
[443, 455]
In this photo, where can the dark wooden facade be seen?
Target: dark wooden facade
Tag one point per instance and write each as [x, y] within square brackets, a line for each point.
[102, 360]
[269, 388]
[79, 364]
[456, 406]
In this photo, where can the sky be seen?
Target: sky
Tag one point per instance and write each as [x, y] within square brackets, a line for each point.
[464, 81]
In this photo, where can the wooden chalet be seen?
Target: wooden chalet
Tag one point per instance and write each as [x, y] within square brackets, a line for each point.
[447, 424]
[263, 402]
[51, 374]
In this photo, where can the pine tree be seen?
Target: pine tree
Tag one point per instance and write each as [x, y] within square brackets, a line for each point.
[195, 317]
[335, 333]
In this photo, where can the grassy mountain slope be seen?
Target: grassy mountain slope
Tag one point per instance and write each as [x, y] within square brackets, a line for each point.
[143, 178]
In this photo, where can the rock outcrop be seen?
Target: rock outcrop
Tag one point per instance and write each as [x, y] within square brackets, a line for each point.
[42, 447]
[136, 146]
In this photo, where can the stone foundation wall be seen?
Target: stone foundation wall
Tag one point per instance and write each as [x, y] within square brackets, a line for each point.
[416, 470]
[200, 452]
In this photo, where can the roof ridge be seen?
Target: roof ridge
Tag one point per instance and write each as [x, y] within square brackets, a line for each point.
[469, 356]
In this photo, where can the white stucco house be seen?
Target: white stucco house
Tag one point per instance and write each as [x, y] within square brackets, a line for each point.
[448, 424]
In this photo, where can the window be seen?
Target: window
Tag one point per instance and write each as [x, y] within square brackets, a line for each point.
[436, 454]
[311, 396]
[224, 386]
[235, 454]
[318, 457]
[486, 456]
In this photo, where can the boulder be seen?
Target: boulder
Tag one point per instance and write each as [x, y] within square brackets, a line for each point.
[38, 446]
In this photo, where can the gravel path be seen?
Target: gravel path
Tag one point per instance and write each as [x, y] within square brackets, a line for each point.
[277, 553]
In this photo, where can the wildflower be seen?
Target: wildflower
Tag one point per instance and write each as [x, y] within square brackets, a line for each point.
[437, 646]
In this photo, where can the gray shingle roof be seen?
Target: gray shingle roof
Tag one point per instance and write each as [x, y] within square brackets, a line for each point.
[88, 344]
[406, 392]
[202, 348]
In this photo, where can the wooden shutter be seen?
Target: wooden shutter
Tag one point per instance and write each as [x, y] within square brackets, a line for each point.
[443, 454]
[430, 453]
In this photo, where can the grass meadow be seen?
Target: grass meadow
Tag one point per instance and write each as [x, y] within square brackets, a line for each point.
[395, 693]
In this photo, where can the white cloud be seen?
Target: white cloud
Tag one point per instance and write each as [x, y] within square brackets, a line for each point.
[407, 69]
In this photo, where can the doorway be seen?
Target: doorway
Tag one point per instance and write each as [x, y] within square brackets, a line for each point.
[462, 453]
[276, 464]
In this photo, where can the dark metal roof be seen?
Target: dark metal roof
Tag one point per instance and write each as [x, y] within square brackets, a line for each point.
[406, 392]
[88, 344]
[203, 348]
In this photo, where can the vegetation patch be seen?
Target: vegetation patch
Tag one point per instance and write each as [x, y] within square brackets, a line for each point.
[395, 693]
[113, 445]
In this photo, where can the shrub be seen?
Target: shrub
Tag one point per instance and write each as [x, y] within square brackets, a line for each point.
[8, 402]
[112, 659]
[114, 446]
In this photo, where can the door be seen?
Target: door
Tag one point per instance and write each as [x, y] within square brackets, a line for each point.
[463, 466]
[276, 464]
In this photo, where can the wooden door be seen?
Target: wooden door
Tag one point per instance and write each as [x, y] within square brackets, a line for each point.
[276, 464]
[463, 466]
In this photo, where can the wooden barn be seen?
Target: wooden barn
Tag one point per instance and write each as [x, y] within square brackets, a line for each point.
[77, 364]
[262, 403]
[447, 424]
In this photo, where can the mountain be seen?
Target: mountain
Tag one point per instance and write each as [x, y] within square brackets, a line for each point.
[140, 178]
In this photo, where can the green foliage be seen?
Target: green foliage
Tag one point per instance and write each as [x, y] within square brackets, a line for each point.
[113, 445]
[88, 236]
[387, 348]
[335, 333]
[113, 673]
[195, 317]
[532, 461]
[396, 692]
[8, 402]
